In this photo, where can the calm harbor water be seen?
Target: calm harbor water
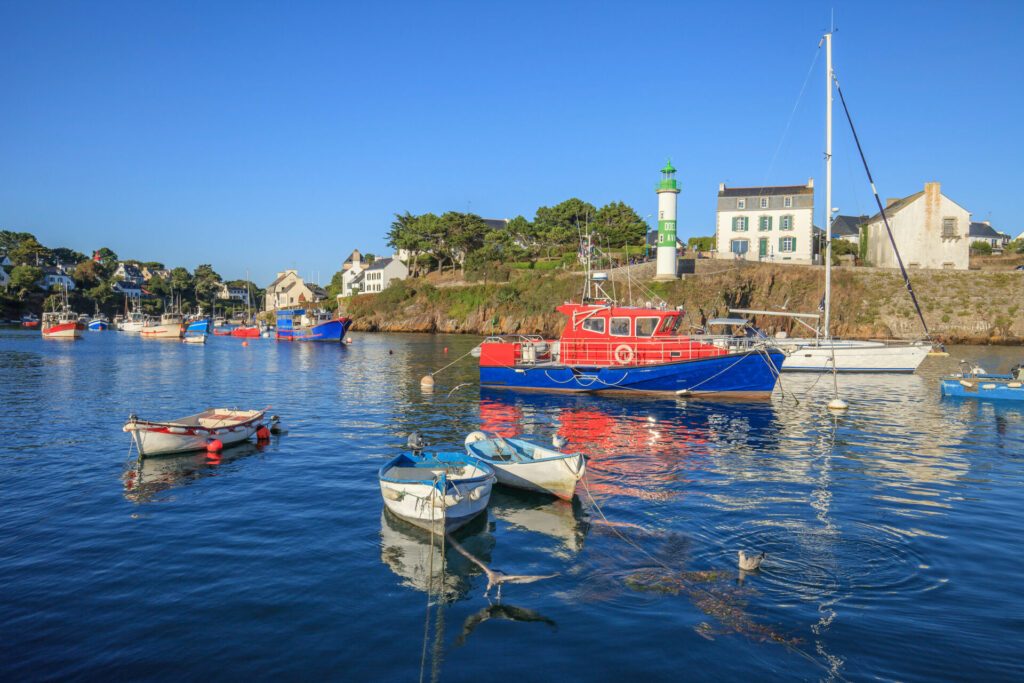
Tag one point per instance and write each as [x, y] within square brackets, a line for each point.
[892, 532]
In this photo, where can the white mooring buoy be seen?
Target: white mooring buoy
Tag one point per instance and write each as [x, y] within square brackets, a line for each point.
[838, 404]
[427, 382]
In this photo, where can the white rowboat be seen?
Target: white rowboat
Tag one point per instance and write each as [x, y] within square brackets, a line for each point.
[194, 432]
[524, 465]
[439, 492]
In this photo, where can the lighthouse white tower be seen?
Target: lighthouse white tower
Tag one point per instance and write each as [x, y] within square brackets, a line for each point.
[667, 191]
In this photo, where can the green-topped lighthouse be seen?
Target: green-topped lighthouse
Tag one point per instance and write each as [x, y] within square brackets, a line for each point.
[667, 191]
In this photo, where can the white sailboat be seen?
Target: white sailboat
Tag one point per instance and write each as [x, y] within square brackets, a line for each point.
[823, 353]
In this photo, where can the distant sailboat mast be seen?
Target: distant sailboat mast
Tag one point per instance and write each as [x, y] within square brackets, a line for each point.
[828, 184]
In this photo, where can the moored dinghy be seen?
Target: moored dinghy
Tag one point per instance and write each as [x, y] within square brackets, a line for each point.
[525, 465]
[439, 492]
[194, 432]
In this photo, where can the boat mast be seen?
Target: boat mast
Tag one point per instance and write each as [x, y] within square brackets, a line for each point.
[828, 183]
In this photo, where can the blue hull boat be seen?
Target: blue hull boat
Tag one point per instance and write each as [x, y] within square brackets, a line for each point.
[290, 327]
[98, 325]
[749, 374]
[991, 387]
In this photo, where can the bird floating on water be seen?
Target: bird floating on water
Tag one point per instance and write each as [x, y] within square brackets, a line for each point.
[749, 563]
[559, 441]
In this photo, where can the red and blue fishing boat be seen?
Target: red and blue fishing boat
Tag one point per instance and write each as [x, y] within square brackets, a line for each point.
[609, 348]
[296, 324]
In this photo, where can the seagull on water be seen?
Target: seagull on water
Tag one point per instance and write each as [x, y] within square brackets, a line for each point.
[496, 577]
[749, 563]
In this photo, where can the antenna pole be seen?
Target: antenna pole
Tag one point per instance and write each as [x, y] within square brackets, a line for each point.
[828, 184]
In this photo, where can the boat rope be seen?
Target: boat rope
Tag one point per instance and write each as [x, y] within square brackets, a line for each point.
[881, 209]
[792, 648]
[435, 372]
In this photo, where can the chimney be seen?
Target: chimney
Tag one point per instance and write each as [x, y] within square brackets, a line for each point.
[721, 188]
[810, 183]
[988, 223]
[932, 189]
[890, 201]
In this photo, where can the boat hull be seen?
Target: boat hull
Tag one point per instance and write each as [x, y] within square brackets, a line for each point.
[985, 388]
[161, 332]
[248, 332]
[439, 505]
[556, 477]
[71, 330]
[851, 356]
[162, 438]
[330, 331]
[751, 374]
[133, 326]
[98, 326]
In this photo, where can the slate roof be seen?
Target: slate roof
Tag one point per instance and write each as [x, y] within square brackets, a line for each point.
[765, 191]
[496, 223]
[896, 206]
[278, 279]
[317, 291]
[844, 226]
[983, 230]
[380, 264]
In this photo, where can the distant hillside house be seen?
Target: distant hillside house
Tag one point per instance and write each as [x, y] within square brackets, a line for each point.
[982, 231]
[150, 273]
[766, 223]
[848, 228]
[5, 279]
[129, 272]
[127, 287]
[496, 223]
[233, 293]
[288, 289]
[352, 273]
[54, 277]
[930, 229]
[382, 273]
[5, 261]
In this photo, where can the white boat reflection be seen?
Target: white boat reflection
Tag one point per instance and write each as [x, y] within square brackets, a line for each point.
[562, 520]
[407, 550]
[146, 478]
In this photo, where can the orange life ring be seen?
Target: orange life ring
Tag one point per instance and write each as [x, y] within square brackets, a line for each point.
[623, 354]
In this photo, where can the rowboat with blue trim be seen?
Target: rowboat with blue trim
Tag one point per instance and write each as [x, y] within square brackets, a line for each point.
[194, 432]
[524, 465]
[439, 492]
[296, 324]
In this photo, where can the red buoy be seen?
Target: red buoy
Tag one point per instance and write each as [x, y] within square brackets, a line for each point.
[245, 343]
[446, 349]
[263, 434]
[214, 446]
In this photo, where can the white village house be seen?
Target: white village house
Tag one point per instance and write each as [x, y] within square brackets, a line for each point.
[55, 277]
[930, 229]
[288, 289]
[847, 228]
[352, 273]
[226, 293]
[129, 272]
[382, 272]
[982, 231]
[766, 223]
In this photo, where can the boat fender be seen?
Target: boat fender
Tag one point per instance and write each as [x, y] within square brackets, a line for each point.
[263, 434]
[966, 384]
[988, 386]
[475, 494]
[1014, 385]
[623, 354]
[214, 446]
[473, 437]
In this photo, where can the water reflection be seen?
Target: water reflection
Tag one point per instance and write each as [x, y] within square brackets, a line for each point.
[415, 556]
[561, 520]
[145, 479]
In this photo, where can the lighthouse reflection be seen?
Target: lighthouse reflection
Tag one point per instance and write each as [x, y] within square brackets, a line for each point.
[637, 446]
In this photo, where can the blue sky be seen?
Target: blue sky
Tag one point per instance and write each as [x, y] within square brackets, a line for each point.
[268, 135]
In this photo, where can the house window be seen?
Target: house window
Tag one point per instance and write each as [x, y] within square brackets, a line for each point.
[948, 227]
[787, 245]
[739, 246]
[764, 223]
[787, 202]
[739, 224]
[948, 265]
[785, 223]
[741, 203]
[764, 202]
[620, 327]
[645, 327]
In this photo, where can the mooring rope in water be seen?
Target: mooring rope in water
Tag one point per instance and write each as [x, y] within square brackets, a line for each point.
[626, 539]
[452, 363]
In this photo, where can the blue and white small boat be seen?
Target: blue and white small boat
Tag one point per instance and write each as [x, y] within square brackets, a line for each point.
[196, 331]
[524, 465]
[976, 383]
[99, 323]
[439, 492]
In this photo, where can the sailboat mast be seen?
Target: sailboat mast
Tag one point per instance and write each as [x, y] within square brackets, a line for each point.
[828, 184]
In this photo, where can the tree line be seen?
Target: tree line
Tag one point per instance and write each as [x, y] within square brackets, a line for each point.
[95, 277]
[456, 240]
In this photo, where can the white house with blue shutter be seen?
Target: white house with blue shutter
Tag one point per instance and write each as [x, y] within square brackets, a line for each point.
[773, 224]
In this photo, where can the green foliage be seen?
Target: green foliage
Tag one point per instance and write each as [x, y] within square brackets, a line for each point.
[29, 252]
[206, 282]
[703, 243]
[65, 255]
[87, 274]
[560, 225]
[842, 248]
[981, 247]
[107, 256]
[24, 278]
[862, 252]
[617, 224]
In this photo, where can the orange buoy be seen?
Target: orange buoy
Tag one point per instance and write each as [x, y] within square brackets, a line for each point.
[245, 343]
[446, 349]
[214, 446]
[263, 434]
